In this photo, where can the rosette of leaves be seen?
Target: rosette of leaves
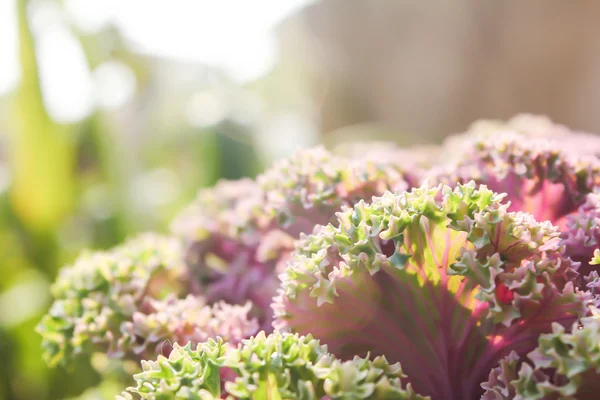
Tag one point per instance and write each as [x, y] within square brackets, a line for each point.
[124, 302]
[528, 160]
[564, 365]
[102, 290]
[268, 367]
[540, 126]
[231, 248]
[308, 188]
[446, 282]
[239, 234]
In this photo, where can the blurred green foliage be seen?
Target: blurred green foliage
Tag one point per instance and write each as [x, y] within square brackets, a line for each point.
[87, 185]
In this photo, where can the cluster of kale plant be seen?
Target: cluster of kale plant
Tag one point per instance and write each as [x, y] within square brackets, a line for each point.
[457, 272]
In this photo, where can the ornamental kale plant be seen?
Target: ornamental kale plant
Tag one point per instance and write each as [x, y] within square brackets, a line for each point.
[467, 271]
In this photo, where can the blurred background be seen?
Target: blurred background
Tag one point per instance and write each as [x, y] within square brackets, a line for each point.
[114, 112]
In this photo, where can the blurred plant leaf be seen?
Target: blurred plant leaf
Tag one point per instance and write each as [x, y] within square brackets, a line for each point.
[42, 150]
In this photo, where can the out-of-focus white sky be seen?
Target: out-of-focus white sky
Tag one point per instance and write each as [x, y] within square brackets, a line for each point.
[235, 35]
